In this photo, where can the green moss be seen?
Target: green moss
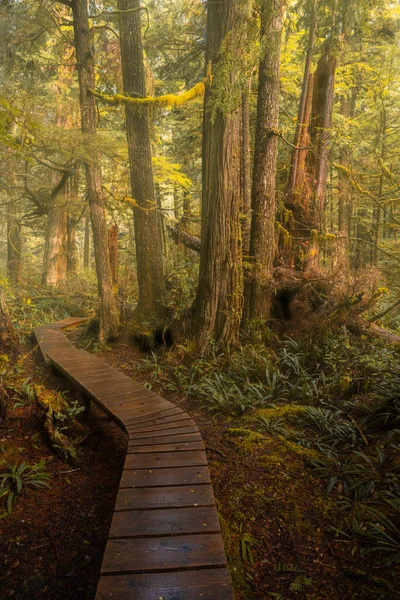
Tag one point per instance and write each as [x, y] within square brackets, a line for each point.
[304, 453]
[281, 412]
[251, 439]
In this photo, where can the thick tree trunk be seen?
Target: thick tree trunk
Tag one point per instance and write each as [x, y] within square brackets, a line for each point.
[245, 175]
[14, 247]
[113, 251]
[296, 174]
[187, 215]
[219, 300]
[72, 249]
[320, 133]
[262, 241]
[8, 338]
[86, 244]
[149, 245]
[55, 252]
[86, 75]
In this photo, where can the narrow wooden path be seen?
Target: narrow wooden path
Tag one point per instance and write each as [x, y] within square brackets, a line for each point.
[165, 541]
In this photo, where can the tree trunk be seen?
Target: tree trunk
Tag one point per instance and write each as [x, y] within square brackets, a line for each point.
[86, 75]
[55, 252]
[187, 215]
[218, 305]
[86, 244]
[72, 250]
[320, 132]
[245, 175]
[113, 251]
[8, 338]
[14, 247]
[303, 117]
[262, 241]
[149, 245]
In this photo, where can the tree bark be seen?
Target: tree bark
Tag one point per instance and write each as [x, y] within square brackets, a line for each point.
[245, 175]
[180, 236]
[86, 75]
[320, 132]
[86, 244]
[262, 241]
[55, 252]
[303, 117]
[149, 244]
[218, 305]
[72, 250]
[113, 251]
[14, 247]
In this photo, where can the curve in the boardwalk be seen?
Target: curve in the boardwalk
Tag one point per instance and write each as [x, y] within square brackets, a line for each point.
[165, 541]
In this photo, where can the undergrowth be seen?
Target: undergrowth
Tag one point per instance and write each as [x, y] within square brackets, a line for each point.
[336, 403]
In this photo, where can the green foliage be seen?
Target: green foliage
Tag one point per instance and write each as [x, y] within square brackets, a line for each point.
[17, 477]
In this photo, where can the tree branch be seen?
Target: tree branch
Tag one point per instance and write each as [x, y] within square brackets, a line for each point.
[183, 237]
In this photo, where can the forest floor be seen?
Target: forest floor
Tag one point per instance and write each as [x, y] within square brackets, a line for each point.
[274, 513]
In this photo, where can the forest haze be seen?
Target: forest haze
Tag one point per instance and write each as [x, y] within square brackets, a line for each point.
[215, 186]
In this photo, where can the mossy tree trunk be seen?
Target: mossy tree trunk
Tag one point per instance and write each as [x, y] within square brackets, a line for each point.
[320, 135]
[217, 309]
[113, 250]
[262, 238]
[86, 244]
[55, 251]
[72, 250]
[14, 246]
[296, 173]
[85, 63]
[245, 174]
[148, 233]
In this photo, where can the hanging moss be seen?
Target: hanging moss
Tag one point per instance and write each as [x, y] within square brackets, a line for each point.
[168, 101]
[284, 234]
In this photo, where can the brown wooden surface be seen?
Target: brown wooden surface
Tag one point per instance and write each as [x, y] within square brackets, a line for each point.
[160, 477]
[174, 447]
[158, 460]
[164, 553]
[163, 497]
[169, 439]
[173, 521]
[163, 431]
[165, 533]
[206, 584]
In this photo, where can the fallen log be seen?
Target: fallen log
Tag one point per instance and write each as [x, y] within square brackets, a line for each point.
[180, 236]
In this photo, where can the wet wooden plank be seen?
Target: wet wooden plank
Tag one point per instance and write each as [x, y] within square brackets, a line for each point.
[161, 425]
[132, 412]
[205, 584]
[159, 460]
[137, 397]
[175, 447]
[163, 431]
[167, 477]
[169, 439]
[158, 554]
[173, 521]
[166, 412]
[177, 496]
[162, 420]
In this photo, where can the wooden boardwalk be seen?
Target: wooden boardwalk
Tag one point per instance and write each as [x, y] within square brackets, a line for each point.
[165, 541]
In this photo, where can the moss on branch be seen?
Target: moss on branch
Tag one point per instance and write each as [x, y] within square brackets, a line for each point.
[168, 101]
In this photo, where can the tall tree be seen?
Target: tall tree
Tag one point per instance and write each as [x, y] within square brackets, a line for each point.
[148, 239]
[86, 75]
[262, 244]
[219, 301]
